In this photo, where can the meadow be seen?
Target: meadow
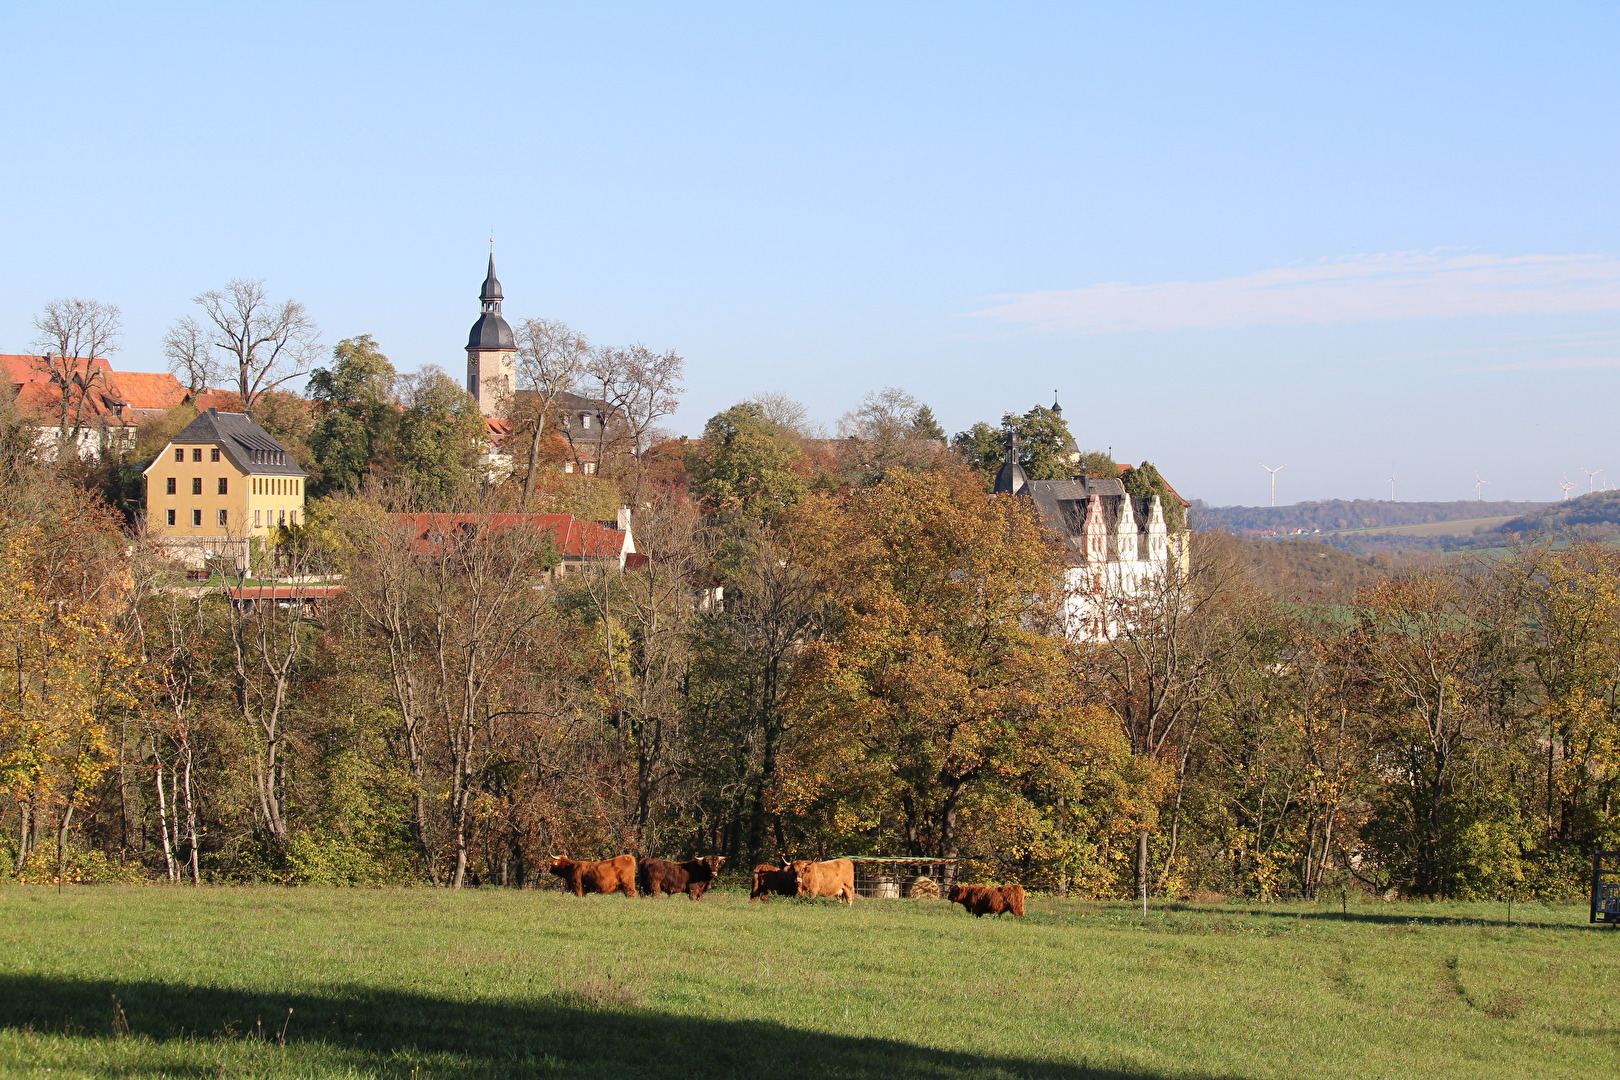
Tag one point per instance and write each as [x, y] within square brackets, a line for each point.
[1460, 527]
[165, 982]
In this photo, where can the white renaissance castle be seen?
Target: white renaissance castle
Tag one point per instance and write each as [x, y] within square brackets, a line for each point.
[1121, 551]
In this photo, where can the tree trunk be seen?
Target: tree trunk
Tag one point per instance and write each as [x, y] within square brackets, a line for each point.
[1142, 866]
[191, 821]
[163, 822]
[534, 454]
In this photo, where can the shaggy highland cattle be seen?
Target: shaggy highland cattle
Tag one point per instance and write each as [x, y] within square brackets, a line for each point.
[989, 899]
[835, 877]
[606, 876]
[693, 877]
[773, 881]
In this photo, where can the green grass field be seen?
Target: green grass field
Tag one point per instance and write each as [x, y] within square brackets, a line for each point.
[419, 984]
[1462, 527]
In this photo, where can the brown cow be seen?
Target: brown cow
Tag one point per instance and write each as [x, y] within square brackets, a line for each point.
[835, 877]
[606, 876]
[774, 881]
[693, 877]
[989, 899]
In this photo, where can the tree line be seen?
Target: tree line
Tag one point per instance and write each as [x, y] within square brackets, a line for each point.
[837, 646]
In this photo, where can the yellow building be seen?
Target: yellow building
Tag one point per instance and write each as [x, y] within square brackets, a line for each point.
[219, 484]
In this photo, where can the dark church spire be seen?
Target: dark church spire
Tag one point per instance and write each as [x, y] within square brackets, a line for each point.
[491, 332]
[491, 292]
[1010, 478]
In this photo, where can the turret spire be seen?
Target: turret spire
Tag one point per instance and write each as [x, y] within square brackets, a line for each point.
[490, 294]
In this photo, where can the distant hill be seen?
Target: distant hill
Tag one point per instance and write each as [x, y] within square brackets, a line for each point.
[1597, 510]
[1303, 571]
[1336, 515]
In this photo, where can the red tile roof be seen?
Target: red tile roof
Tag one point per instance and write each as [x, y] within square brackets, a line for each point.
[158, 391]
[144, 391]
[574, 539]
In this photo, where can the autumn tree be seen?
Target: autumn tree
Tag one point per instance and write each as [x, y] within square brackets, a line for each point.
[1157, 657]
[551, 359]
[1566, 599]
[459, 616]
[441, 433]
[638, 388]
[67, 665]
[266, 648]
[1046, 449]
[937, 703]
[883, 434]
[355, 413]
[1435, 656]
[745, 464]
[641, 634]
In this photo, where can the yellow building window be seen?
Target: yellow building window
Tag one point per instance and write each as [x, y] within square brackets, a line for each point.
[171, 518]
[196, 485]
[196, 453]
[256, 520]
[196, 519]
[222, 519]
[213, 454]
[170, 491]
[179, 453]
[224, 485]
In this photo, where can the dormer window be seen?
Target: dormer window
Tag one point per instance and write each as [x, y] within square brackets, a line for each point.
[585, 420]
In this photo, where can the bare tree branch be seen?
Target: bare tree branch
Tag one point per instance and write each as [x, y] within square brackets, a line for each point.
[550, 359]
[75, 338]
[263, 342]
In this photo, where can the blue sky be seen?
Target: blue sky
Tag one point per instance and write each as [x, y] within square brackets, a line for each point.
[1348, 237]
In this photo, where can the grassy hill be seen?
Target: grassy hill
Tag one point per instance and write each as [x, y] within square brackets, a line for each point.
[1459, 527]
[1306, 571]
[1600, 509]
[1336, 515]
[284, 983]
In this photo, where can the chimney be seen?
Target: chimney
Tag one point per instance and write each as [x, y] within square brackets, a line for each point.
[623, 519]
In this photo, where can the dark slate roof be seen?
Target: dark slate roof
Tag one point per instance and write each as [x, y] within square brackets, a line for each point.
[1010, 478]
[249, 447]
[1062, 503]
[492, 284]
[490, 332]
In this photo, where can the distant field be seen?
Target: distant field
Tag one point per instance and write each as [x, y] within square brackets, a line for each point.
[421, 984]
[1464, 527]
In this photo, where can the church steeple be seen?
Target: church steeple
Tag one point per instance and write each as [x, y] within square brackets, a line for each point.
[1010, 478]
[490, 294]
[491, 349]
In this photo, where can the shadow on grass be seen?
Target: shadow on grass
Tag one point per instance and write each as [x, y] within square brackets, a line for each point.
[1380, 918]
[380, 1032]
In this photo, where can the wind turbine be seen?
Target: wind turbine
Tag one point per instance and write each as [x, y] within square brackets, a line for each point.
[1392, 483]
[1591, 478]
[1273, 473]
[1566, 487]
[1479, 486]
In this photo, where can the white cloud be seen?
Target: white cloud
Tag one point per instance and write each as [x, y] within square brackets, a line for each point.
[1355, 288]
[1570, 363]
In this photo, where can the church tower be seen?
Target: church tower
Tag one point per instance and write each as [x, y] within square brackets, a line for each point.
[491, 352]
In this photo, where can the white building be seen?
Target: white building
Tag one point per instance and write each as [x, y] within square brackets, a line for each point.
[1121, 550]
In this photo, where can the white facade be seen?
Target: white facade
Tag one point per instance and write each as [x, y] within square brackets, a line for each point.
[1123, 554]
[1121, 549]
